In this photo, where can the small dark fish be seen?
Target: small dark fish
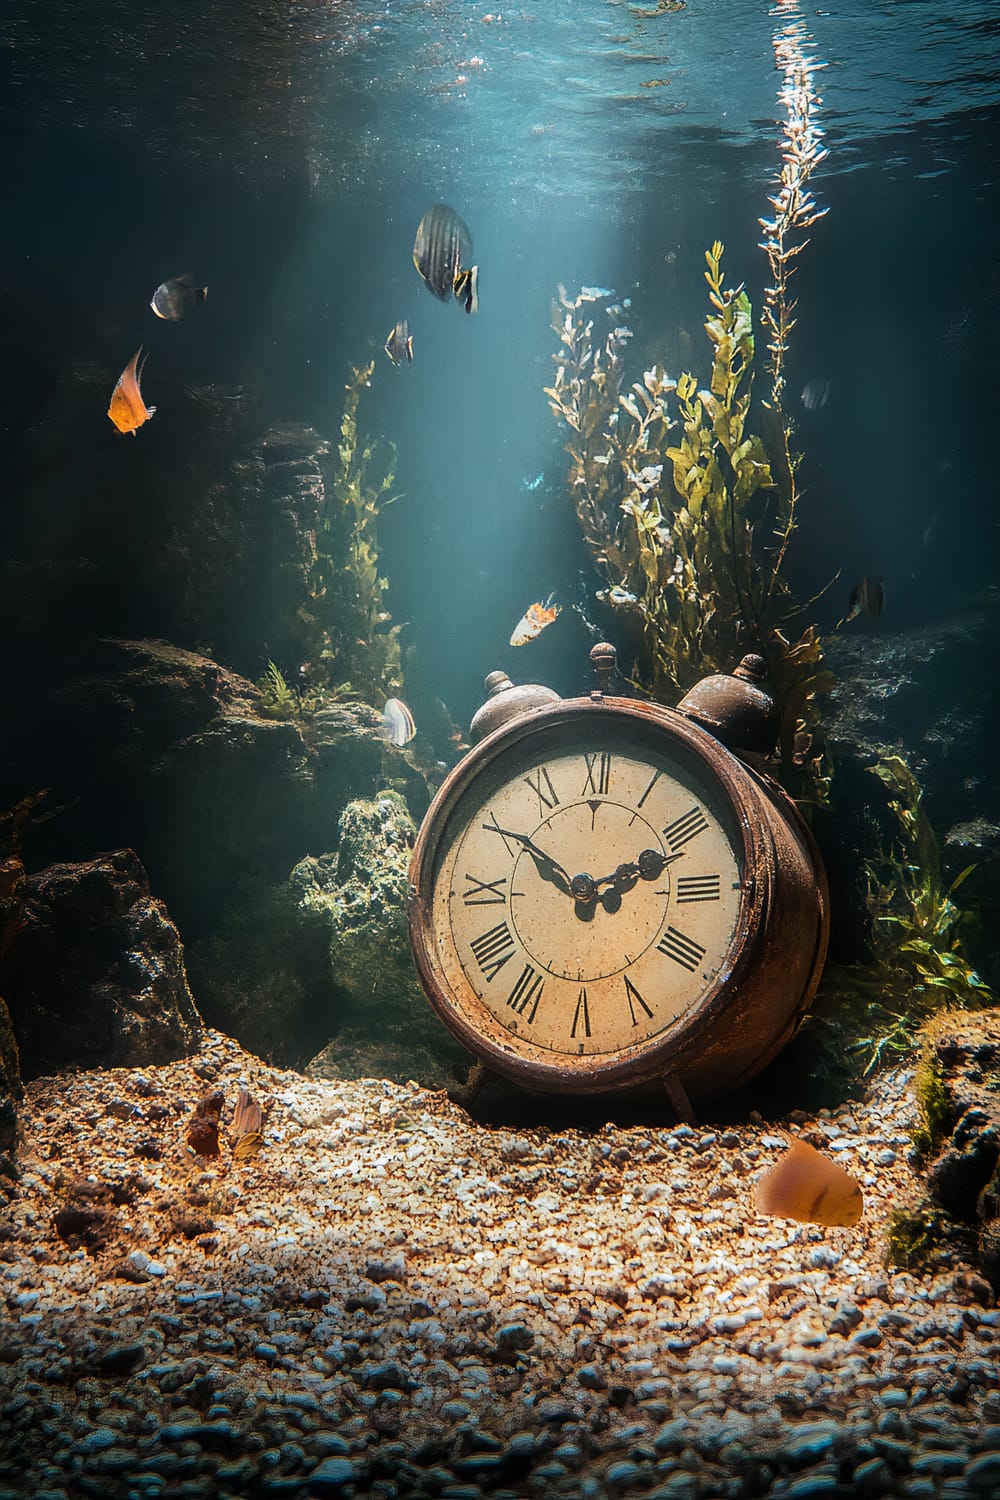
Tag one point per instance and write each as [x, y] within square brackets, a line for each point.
[442, 245]
[127, 409]
[173, 299]
[867, 597]
[399, 344]
[815, 393]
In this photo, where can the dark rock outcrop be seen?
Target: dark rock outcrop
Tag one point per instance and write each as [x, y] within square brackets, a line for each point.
[97, 976]
[963, 1176]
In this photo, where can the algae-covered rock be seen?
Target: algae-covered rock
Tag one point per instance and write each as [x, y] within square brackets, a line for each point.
[387, 1026]
[958, 1090]
[97, 975]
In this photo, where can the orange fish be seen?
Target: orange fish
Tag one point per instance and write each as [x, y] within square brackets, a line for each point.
[534, 621]
[806, 1185]
[128, 410]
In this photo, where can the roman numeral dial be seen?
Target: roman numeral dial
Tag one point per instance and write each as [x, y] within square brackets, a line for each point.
[588, 895]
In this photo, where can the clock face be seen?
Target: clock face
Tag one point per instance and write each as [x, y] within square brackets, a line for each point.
[587, 889]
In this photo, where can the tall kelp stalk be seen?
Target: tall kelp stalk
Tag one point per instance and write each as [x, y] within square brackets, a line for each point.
[352, 645]
[785, 237]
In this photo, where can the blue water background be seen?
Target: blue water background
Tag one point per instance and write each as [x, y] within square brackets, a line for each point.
[286, 153]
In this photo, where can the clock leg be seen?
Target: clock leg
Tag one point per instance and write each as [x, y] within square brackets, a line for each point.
[468, 1092]
[677, 1094]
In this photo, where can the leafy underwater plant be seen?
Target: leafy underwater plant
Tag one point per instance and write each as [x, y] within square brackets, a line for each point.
[919, 968]
[676, 527]
[666, 480]
[352, 646]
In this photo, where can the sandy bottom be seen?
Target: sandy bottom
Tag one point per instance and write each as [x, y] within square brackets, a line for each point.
[392, 1300]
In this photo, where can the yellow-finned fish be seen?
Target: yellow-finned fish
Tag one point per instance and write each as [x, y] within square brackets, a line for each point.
[440, 250]
[534, 621]
[128, 411]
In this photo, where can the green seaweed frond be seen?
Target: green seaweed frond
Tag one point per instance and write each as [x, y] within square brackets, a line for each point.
[349, 631]
[668, 485]
[913, 1237]
[932, 1100]
[281, 701]
[872, 1013]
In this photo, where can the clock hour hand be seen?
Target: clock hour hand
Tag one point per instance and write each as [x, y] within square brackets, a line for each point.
[649, 866]
[542, 860]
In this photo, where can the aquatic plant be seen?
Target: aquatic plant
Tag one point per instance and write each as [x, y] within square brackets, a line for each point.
[279, 700]
[918, 967]
[351, 644]
[785, 237]
[667, 483]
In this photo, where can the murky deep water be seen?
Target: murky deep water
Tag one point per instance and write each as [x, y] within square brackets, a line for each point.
[285, 154]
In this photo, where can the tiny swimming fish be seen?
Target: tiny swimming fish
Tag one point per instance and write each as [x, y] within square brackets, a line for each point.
[248, 1116]
[533, 483]
[867, 597]
[442, 244]
[619, 597]
[173, 299]
[815, 393]
[397, 722]
[534, 621]
[399, 344]
[128, 411]
[806, 1185]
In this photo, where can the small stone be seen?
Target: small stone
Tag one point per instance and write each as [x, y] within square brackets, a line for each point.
[812, 1487]
[623, 1472]
[332, 1474]
[933, 1461]
[591, 1378]
[120, 1359]
[868, 1338]
[983, 1472]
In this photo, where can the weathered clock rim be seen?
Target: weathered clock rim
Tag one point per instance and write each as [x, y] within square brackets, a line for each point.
[733, 1031]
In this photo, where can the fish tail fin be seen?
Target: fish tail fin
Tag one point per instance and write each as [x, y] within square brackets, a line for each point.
[150, 411]
[472, 291]
[202, 294]
[156, 309]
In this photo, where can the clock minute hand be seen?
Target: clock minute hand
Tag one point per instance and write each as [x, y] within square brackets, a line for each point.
[537, 854]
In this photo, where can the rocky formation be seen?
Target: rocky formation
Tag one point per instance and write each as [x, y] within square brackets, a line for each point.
[385, 1027]
[961, 1094]
[97, 974]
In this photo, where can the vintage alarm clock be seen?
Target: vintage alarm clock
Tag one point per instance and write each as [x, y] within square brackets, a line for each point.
[603, 895]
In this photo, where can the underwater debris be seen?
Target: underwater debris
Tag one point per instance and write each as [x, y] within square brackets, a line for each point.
[175, 298]
[203, 1128]
[127, 410]
[534, 620]
[805, 1185]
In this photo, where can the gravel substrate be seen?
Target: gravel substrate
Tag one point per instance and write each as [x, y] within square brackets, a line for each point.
[391, 1300]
